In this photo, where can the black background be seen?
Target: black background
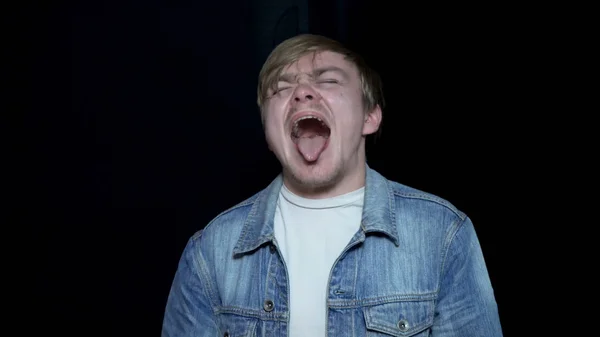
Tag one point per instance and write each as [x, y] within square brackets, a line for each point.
[144, 127]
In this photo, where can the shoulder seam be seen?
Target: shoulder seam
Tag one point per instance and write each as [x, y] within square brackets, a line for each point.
[432, 198]
[242, 204]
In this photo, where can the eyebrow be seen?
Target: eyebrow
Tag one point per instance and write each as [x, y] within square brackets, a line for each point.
[315, 73]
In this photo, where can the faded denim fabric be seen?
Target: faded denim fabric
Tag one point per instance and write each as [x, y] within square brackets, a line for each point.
[415, 268]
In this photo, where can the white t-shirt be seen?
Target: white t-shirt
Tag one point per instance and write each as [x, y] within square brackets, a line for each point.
[311, 234]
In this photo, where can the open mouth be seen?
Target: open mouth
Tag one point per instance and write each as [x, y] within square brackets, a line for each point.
[311, 135]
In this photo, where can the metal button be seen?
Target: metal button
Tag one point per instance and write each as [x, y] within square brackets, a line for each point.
[272, 249]
[403, 325]
[269, 306]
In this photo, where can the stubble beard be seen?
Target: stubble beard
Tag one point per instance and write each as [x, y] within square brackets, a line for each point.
[314, 179]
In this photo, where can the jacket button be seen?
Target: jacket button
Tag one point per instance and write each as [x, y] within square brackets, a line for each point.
[268, 305]
[272, 249]
[403, 325]
[226, 334]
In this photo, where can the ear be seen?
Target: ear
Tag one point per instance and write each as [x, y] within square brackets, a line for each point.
[372, 121]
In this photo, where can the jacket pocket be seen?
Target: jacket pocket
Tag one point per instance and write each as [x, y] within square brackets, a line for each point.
[403, 318]
[232, 325]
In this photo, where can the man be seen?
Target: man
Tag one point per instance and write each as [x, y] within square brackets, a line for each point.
[330, 247]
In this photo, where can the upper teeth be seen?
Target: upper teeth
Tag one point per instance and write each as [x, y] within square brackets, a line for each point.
[295, 131]
[307, 117]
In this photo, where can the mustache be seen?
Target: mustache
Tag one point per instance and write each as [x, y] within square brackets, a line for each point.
[312, 106]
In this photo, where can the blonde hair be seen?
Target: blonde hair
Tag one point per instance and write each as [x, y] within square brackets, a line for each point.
[292, 49]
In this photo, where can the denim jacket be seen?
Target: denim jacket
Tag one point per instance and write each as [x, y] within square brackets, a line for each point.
[414, 268]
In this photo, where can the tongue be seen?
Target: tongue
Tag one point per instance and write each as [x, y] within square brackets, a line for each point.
[311, 147]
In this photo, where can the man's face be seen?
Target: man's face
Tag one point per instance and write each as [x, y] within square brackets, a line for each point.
[315, 122]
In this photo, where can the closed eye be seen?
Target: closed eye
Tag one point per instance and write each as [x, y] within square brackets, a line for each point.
[278, 90]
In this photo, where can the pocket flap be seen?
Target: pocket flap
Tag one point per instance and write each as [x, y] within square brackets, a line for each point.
[403, 318]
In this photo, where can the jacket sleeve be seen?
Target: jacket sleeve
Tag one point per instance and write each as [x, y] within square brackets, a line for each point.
[188, 310]
[466, 305]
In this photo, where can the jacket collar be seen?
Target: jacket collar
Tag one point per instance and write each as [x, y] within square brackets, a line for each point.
[378, 213]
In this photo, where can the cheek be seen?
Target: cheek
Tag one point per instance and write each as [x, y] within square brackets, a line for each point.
[273, 127]
[349, 115]
[270, 129]
[274, 111]
[343, 102]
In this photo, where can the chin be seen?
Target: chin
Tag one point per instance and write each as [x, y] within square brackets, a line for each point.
[314, 176]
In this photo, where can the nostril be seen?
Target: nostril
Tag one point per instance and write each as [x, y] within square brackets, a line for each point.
[307, 97]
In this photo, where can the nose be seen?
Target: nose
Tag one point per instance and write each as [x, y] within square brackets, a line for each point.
[305, 93]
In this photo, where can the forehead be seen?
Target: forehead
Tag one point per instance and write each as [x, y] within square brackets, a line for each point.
[321, 60]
